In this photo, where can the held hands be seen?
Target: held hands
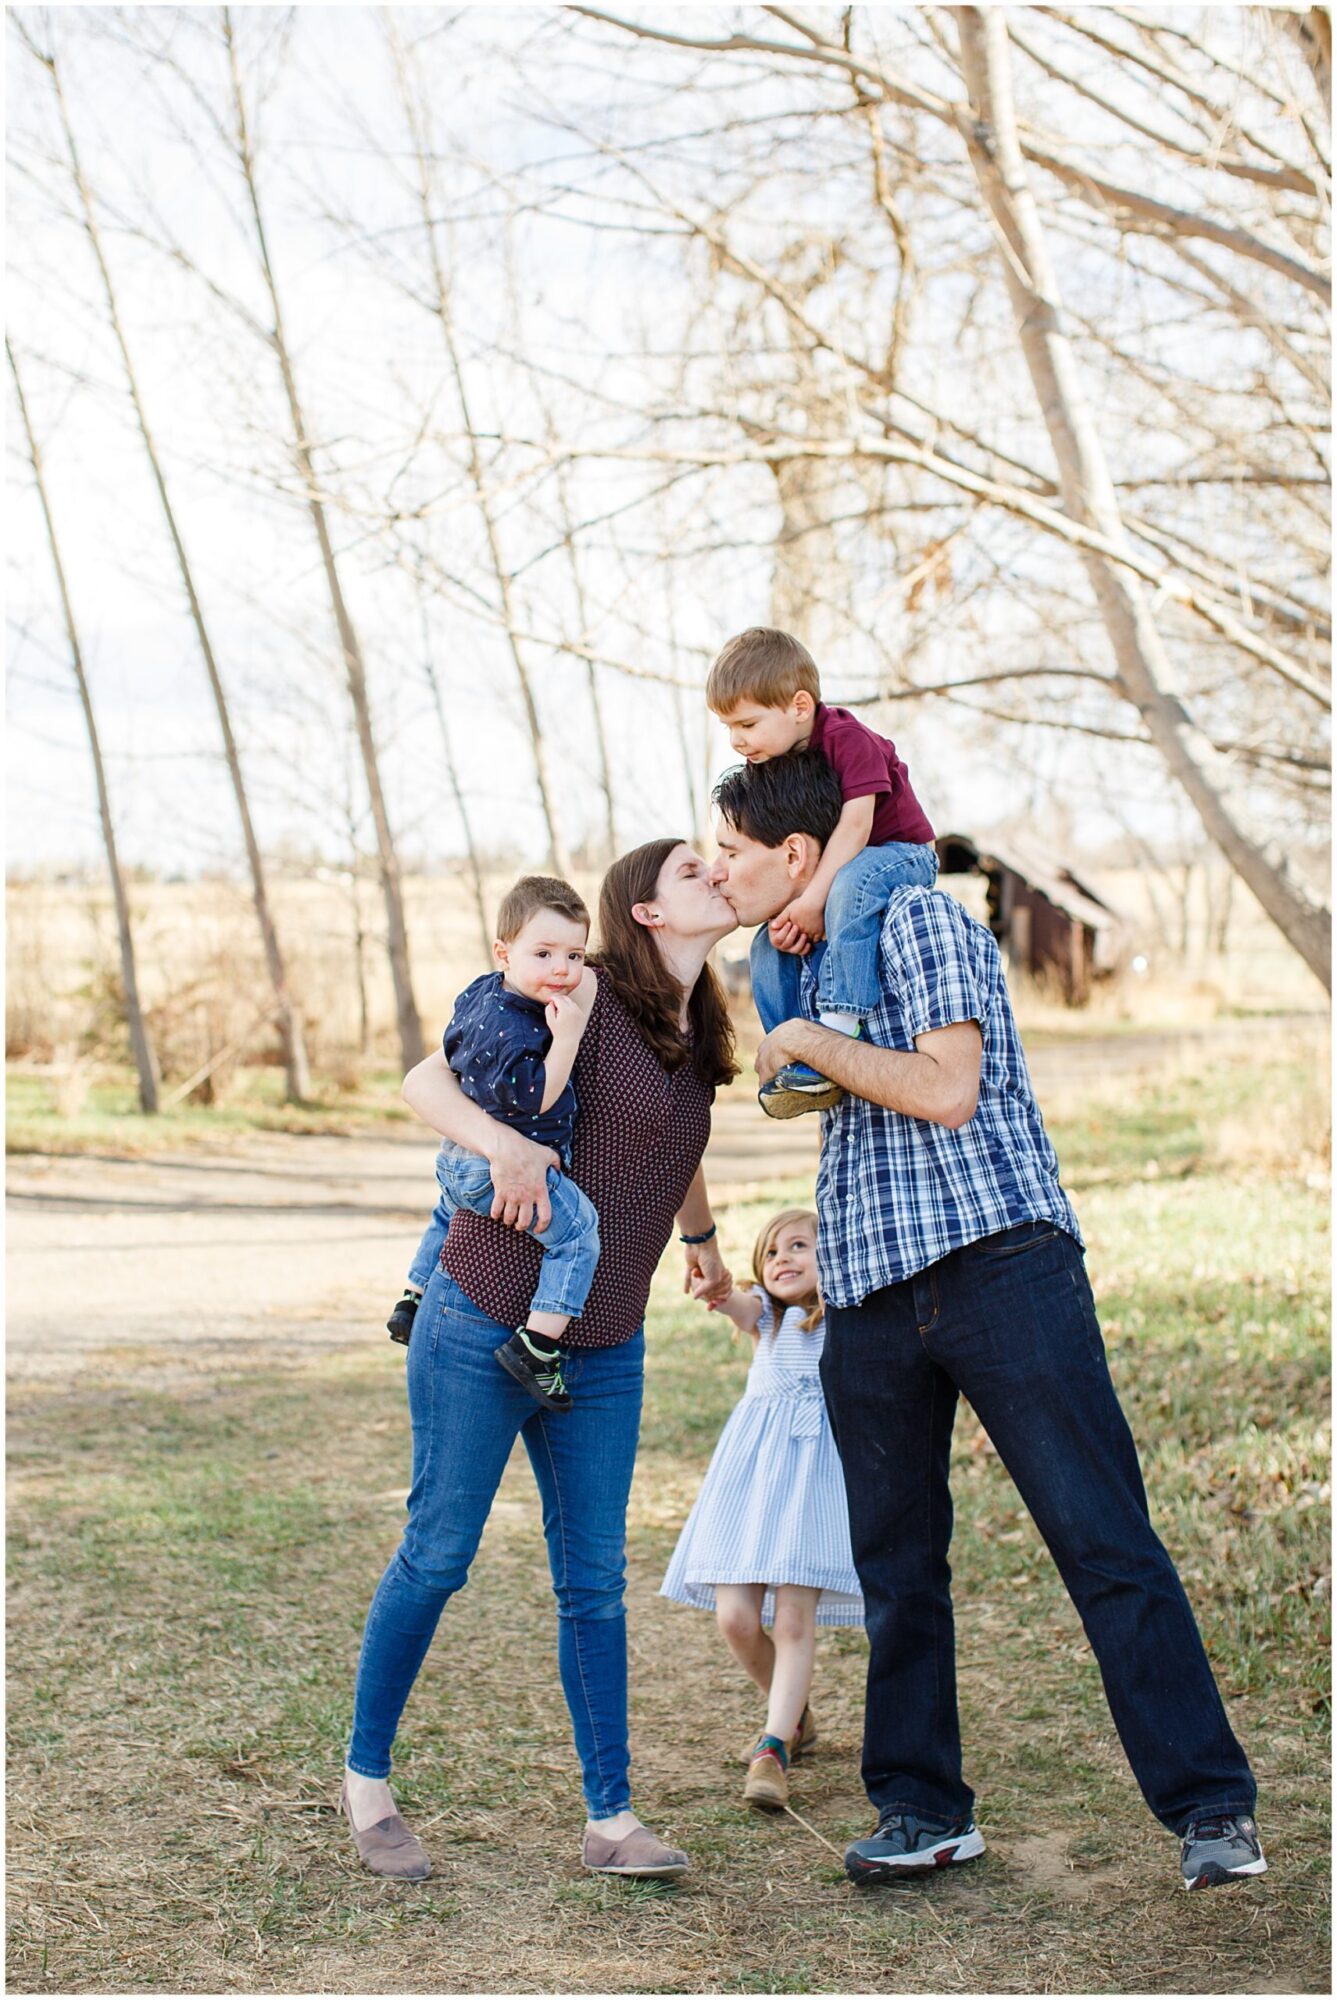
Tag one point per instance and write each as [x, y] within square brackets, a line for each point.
[799, 926]
[706, 1277]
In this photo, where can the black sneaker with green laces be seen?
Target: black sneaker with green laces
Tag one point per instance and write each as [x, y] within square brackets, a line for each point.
[535, 1369]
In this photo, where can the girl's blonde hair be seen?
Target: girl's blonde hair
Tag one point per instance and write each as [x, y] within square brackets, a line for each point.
[768, 1235]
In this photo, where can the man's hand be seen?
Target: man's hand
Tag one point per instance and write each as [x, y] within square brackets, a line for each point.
[520, 1179]
[773, 1052]
[706, 1276]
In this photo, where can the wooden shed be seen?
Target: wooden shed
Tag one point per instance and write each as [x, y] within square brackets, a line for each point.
[1047, 922]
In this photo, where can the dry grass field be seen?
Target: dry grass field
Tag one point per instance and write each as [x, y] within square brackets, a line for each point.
[203, 980]
[194, 1534]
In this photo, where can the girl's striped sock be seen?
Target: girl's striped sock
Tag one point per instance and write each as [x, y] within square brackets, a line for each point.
[777, 1749]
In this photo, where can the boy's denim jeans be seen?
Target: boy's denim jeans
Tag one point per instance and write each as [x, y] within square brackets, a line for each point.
[570, 1242]
[467, 1414]
[847, 982]
[1009, 1323]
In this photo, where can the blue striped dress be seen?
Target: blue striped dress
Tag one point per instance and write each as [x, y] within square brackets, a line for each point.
[772, 1506]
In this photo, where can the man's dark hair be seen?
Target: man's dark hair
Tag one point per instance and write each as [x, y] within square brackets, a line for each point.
[799, 793]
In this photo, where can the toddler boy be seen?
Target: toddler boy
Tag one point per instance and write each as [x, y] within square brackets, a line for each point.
[511, 1043]
[765, 689]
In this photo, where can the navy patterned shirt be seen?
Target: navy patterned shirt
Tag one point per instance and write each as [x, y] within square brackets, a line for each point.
[497, 1044]
[895, 1193]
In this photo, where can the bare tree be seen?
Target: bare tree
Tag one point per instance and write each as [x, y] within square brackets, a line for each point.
[1252, 685]
[297, 1071]
[146, 1060]
[432, 676]
[418, 120]
[1144, 672]
[410, 1024]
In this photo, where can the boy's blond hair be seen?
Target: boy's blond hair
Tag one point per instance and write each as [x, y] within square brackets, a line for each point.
[762, 665]
[538, 892]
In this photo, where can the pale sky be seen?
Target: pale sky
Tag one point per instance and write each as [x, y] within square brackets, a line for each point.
[590, 301]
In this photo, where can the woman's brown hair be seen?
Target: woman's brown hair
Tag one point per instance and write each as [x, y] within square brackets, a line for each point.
[644, 982]
[763, 1244]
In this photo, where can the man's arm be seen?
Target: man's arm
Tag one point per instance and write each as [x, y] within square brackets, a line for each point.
[940, 1080]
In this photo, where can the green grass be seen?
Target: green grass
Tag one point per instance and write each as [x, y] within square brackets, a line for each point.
[106, 1117]
[191, 1561]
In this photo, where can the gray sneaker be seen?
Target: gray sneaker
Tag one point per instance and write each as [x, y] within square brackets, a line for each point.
[907, 1845]
[1219, 1848]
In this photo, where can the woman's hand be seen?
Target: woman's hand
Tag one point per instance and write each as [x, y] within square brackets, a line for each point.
[519, 1179]
[707, 1277]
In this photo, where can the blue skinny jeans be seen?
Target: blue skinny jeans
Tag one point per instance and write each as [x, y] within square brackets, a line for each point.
[848, 979]
[570, 1242]
[467, 1413]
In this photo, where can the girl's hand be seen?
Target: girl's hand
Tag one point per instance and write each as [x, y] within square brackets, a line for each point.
[707, 1277]
[520, 1179]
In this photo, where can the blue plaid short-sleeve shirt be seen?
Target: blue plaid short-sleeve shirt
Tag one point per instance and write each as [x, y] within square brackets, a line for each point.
[894, 1193]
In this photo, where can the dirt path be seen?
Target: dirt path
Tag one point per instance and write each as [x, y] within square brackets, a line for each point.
[283, 1240]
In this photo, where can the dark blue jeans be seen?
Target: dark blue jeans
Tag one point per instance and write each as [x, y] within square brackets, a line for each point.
[1009, 1323]
[467, 1413]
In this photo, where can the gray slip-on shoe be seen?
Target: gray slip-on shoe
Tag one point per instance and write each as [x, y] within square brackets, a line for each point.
[388, 1848]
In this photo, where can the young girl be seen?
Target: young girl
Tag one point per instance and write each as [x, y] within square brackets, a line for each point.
[768, 1541]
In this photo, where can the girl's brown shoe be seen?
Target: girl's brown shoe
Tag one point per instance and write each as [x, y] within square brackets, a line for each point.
[804, 1738]
[767, 1782]
[388, 1848]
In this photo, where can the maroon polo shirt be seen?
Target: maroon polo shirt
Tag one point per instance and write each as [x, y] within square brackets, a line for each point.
[868, 767]
[639, 1135]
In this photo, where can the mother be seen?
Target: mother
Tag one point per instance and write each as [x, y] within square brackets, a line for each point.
[657, 1043]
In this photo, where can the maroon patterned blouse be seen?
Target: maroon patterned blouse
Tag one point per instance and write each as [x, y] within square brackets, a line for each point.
[640, 1133]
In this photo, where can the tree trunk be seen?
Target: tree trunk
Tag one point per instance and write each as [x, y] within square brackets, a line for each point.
[1312, 29]
[586, 639]
[559, 858]
[457, 792]
[296, 1068]
[410, 1026]
[1144, 674]
[146, 1060]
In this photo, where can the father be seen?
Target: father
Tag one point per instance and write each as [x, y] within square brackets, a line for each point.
[951, 1264]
